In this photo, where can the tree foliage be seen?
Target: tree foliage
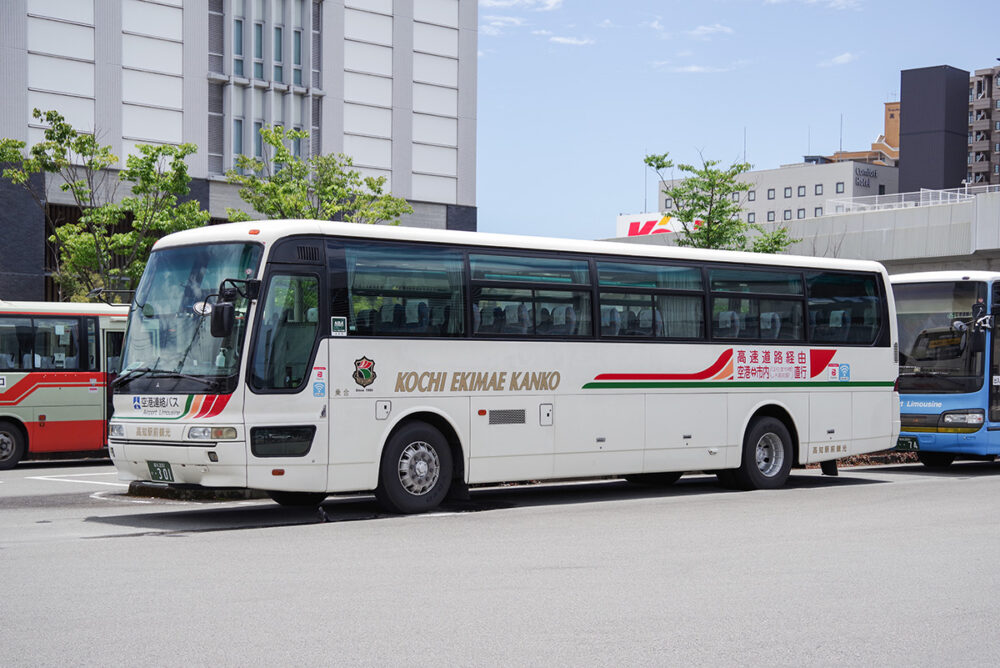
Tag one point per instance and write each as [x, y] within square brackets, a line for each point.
[281, 184]
[107, 247]
[707, 204]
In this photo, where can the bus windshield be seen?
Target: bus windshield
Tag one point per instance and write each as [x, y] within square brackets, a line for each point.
[939, 350]
[169, 346]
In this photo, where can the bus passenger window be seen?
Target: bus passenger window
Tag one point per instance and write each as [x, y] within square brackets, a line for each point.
[15, 343]
[288, 326]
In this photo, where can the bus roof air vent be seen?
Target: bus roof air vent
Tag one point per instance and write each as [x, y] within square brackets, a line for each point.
[308, 253]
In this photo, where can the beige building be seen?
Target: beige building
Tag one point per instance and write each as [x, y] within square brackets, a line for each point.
[984, 127]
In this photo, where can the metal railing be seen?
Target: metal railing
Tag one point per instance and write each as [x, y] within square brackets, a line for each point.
[926, 197]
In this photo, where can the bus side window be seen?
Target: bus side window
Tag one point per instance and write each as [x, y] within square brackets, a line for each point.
[287, 333]
[113, 350]
[15, 342]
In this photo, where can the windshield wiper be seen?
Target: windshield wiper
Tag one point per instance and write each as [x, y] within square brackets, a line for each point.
[129, 375]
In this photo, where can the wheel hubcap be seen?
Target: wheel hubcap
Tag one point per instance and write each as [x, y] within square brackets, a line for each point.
[770, 454]
[6, 445]
[419, 468]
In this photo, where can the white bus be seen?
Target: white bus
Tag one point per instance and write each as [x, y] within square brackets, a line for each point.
[307, 358]
[55, 361]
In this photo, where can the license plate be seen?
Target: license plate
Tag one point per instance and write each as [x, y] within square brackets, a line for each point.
[160, 472]
[907, 443]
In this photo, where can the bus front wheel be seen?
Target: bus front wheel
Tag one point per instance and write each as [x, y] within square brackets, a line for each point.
[11, 445]
[767, 455]
[936, 460]
[416, 470]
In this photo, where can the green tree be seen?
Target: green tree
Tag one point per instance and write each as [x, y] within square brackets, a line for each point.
[107, 247]
[707, 205]
[282, 185]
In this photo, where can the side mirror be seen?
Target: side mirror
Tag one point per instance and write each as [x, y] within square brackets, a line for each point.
[223, 320]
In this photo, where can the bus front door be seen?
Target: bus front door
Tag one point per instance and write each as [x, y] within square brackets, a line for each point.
[285, 409]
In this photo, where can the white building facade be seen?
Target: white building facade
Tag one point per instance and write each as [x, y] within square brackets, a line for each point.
[791, 192]
[391, 83]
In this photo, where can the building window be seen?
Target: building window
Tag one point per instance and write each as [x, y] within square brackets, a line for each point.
[788, 214]
[297, 57]
[258, 50]
[801, 213]
[970, 138]
[258, 141]
[818, 211]
[770, 216]
[996, 169]
[996, 126]
[840, 187]
[802, 191]
[752, 196]
[736, 197]
[751, 217]
[788, 191]
[279, 73]
[996, 148]
[238, 47]
[818, 189]
[770, 193]
[998, 104]
[668, 203]
[237, 138]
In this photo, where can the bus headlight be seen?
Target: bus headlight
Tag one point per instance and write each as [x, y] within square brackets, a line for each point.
[212, 433]
[971, 418]
[117, 431]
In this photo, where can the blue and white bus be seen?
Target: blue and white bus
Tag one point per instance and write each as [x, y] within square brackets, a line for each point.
[949, 370]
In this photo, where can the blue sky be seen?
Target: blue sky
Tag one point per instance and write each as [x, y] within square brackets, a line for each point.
[573, 93]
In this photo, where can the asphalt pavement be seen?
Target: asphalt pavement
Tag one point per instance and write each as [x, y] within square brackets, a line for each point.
[884, 565]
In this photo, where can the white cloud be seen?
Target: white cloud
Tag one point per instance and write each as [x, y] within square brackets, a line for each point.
[537, 5]
[842, 59]
[703, 69]
[704, 32]
[829, 4]
[573, 41]
[606, 23]
[699, 69]
[655, 25]
[544, 33]
[493, 26]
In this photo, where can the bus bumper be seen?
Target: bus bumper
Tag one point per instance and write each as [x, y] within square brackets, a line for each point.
[978, 443]
[180, 464]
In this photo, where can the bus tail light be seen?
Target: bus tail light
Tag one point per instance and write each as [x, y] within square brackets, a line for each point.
[895, 386]
[277, 471]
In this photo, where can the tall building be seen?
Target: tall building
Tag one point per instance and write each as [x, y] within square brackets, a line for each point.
[984, 127]
[392, 83]
[883, 151]
[932, 132]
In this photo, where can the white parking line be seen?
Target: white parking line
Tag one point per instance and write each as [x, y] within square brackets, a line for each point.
[63, 478]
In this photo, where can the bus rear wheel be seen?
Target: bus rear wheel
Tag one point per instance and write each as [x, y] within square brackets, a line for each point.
[298, 499]
[767, 455]
[11, 445]
[416, 470]
[935, 460]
